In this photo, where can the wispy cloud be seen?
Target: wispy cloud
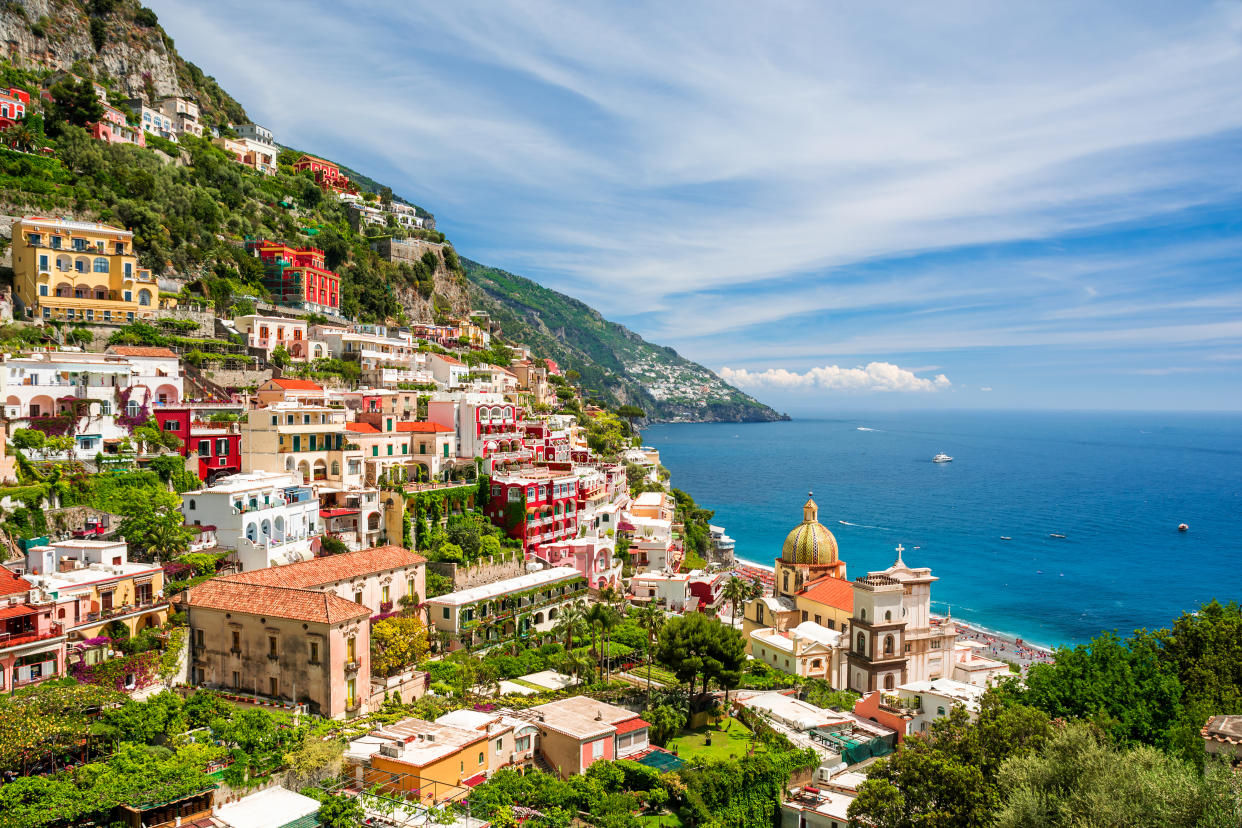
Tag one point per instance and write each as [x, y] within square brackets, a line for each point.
[875, 376]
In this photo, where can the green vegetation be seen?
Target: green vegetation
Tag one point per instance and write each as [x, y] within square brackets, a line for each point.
[607, 356]
[731, 740]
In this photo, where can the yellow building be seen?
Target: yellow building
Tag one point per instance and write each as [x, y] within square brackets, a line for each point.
[432, 761]
[79, 270]
[811, 582]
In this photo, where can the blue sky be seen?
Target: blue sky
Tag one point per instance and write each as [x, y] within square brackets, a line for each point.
[836, 205]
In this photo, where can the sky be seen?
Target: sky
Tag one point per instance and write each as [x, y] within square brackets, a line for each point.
[833, 205]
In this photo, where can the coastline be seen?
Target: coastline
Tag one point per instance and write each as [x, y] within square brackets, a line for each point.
[995, 644]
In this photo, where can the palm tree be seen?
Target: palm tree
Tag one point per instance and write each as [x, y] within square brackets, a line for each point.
[571, 623]
[596, 617]
[19, 137]
[736, 592]
[650, 618]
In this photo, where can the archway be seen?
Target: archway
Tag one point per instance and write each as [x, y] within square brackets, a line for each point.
[888, 682]
[13, 407]
[321, 470]
[305, 470]
[166, 394]
[373, 521]
[42, 406]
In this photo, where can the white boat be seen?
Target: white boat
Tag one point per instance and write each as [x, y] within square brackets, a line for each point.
[942, 458]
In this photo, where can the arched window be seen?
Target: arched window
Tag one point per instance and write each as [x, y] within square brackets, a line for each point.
[192, 506]
[82, 264]
[888, 616]
[336, 468]
[144, 297]
[132, 408]
[862, 615]
[940, 711]
[888, 645]
[101, 265]
[888, 682]
[862, 643]
[64, 263]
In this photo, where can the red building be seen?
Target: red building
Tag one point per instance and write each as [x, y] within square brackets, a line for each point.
[218, 444]
[13, 106]
[298, 277]
[535, 505]
[32, 645]
[327, 174]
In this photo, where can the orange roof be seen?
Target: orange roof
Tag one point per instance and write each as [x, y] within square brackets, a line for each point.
[276, 601]
[450, 360]
[141, 351]
[423, 428]
[831, 592]
[297, 384]
[326, 570]
[362, 428]
[10, 584]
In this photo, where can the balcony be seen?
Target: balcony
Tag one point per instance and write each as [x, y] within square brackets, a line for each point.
[353, 665]
[121, 612]
[352, 705]
[20, 637]
[385, 606]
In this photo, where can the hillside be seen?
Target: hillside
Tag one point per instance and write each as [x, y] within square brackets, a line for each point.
[118, 43]
[616, 364]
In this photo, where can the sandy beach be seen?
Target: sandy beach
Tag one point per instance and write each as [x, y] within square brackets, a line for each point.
[1003, 647]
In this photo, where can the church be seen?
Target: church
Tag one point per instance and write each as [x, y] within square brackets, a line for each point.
[885, 633]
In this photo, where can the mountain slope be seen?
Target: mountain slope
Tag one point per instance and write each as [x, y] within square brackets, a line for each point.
[616, 364]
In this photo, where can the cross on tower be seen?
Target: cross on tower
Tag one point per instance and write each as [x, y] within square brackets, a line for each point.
[900, 549]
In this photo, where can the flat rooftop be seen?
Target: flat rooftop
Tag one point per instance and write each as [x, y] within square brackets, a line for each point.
[545, 577]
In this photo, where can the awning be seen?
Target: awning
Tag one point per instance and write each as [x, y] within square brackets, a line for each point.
[13, 612]
[475, 781]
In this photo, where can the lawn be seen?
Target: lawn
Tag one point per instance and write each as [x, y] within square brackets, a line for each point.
[726, 744]
[661, 821]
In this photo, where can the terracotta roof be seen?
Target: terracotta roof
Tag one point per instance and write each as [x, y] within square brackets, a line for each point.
[297, 384]
[17, 611]
[333, 513]
[831, 592]
[361, 428]
[450, 360]
[423, 428]
[230, 595]
[141, 351]
[629, 727]
[331, 568]
[10, 584]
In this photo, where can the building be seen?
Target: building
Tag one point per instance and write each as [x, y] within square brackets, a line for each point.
[816, 807]
[184, 115]
[486, 425]
[593, 557]
[294, 645]
[405, 251]
[928, 701]
[114, 128]
[94, 585]
[655, 505]
[652, 548]
[80, 271]
[501, 610]
[267, 518]
[267, 333]
[32, 642]
[13, 106]
[512, 741]
[1222, 736]
[217, 446]
[153, 121]
[840, 738]
[679, 591]
[808, 650]
[576, 732]
[448, 371]
[382, 579]
[298, 277]
[289, 390]
[433, 761]
[809, 581]
[422, 451]
[535, 505]
[304, 439]
[260, 147]
[327, 175]
[894, 638]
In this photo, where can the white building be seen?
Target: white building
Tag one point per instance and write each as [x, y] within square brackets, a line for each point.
[184, 115]
[449, 372]
[485, 424]
[808, 650]
[515, 605]
[268, 333]
[268, 518]
[932, 700]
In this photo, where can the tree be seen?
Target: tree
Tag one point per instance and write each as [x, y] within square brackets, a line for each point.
[396, 643]
[666, 722]
[651, 619]
[20, 137]
[28, 439]
[74, 103]
[1077, 779]
[695, 646]
[630, 413]
[736, 592]
[572, 622]
[340, 812]
[385, 195]
[159, 532]
[281, 357]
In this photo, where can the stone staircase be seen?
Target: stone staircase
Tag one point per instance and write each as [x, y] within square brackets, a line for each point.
[198, 386]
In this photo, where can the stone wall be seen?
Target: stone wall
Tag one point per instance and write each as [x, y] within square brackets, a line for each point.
[64, 522]
[486, 571]
[230, 378]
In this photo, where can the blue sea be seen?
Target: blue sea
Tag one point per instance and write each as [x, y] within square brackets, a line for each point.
[1115, 484]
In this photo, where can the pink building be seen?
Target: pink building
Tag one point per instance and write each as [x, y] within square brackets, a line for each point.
[593, 557]
[114, 128]
[577, 732]
[13, 106]
[32, 645]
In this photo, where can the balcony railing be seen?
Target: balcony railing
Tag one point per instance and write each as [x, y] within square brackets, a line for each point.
[353, 665]
[14, 639]
[128, 609]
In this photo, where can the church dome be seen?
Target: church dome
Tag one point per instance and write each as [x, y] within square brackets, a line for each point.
[810, 543]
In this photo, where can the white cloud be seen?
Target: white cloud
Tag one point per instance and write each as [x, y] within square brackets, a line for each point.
[875, 376]
[985, 388]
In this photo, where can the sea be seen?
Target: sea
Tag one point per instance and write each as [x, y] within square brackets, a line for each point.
[1116, 485]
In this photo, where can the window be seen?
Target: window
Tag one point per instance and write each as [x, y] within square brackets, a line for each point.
[193, 505]
[383, 594]
[940, 711]
[204, 448]
[144, 297]
[314, 652]
[446, 612]
[862, 615]
[236, 641]
[101, 265]
[888, 645]
[480, 757]
[271, 645]
[198, 638]
[272, 686]
[358, 596]
[597, 749]
[861, 643]
[410, 588]
[222, 447]
[522, 744]
[351, 648]
[818, 619]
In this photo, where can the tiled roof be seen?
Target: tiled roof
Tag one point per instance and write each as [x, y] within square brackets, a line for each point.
[141, 351]
[361, 428]
[423, 428]
[831, 592]
[331, 568]
[633, 724]
[10, 584]
[297, 384]
[450, 360]
[230, 595]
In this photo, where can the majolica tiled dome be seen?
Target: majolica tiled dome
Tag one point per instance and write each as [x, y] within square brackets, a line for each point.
[810, 542]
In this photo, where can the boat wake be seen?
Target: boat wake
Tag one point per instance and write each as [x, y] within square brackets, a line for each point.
[865, 526]
[863, 428]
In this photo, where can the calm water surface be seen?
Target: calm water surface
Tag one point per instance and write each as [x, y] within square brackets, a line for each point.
[1115, 484]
